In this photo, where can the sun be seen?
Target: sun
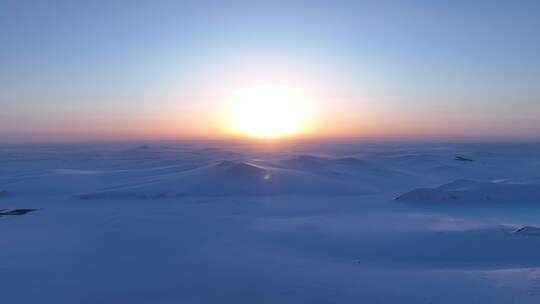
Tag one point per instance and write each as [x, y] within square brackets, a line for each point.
[268, 112]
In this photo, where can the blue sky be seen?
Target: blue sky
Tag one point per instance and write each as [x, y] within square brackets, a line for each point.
[145, 69]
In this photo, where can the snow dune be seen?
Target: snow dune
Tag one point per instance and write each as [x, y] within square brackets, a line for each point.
[231, 178]
[463, 190]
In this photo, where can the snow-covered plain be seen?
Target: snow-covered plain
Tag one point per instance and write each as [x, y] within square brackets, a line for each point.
[236, 222]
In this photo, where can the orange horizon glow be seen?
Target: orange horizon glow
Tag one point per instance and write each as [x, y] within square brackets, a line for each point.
[209, 114]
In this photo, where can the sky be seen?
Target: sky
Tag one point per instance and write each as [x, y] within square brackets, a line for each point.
[86, 70]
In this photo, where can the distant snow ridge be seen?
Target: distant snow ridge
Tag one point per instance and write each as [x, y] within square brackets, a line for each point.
[511, 191]
[230, 178]
[305, 162]
[339, 166]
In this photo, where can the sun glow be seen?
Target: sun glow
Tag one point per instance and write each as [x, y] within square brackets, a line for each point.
[268, 112]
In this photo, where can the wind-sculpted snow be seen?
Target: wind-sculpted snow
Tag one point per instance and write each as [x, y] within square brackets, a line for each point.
[169, 170]
[320, 164]
[508, 191]
[348, 169]
[232, 178]
[298, 222]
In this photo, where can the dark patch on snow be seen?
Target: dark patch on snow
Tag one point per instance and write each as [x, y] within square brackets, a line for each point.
[462, 158]
[528, 230]
[16, 211]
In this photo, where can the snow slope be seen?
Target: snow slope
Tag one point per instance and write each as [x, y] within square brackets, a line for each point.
[231, 178]
[508, 191]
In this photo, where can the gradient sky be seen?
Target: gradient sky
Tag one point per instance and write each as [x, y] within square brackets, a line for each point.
[162, 69]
